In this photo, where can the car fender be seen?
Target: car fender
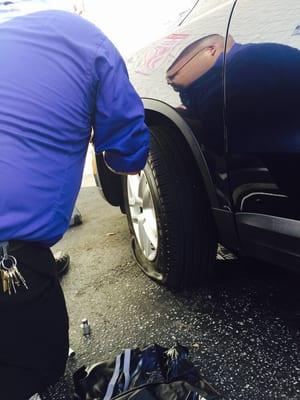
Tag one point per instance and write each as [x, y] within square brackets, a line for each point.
[158, 112]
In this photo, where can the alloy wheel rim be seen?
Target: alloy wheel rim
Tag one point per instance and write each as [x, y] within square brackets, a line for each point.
[142, 214]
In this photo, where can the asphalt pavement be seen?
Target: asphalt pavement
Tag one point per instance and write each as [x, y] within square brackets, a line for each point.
[243, 330]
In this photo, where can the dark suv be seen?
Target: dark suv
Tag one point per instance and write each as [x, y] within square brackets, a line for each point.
[221, 97]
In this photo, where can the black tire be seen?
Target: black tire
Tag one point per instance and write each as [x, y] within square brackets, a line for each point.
[187, 244]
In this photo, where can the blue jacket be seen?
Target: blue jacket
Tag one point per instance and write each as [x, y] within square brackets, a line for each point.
[60, 77]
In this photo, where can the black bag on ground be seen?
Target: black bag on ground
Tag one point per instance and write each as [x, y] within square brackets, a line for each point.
[176, 390]
[152, 373]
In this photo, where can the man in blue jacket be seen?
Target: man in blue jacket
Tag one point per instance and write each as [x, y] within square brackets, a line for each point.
[60, 77]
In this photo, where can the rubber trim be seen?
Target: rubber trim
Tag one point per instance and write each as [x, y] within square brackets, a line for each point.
[283, 226]
[272, 238]
[109, 184]
[169, 112]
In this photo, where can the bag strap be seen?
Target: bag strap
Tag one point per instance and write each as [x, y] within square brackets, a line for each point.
[126, 368]
[115, 376]
[113, 380]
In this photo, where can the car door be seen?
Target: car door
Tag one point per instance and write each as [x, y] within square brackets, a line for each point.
[262, 90]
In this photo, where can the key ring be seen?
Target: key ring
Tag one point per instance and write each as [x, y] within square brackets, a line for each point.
[11, 259]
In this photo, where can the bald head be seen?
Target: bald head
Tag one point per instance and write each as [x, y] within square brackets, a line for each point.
[196, 59]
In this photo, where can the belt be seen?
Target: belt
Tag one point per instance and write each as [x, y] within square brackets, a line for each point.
[13, 245]
[16, 244]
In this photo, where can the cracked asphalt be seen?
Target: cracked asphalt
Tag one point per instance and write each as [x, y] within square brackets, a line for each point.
[243, 330]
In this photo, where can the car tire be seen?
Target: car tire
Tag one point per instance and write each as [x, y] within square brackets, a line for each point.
[178, 249]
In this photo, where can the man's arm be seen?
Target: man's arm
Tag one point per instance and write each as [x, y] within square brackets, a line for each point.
[119, 127]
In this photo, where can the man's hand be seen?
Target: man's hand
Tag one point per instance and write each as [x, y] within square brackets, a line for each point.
[118, 172]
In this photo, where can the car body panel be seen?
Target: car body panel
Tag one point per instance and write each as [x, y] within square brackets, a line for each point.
[264, 154]
[256, 210]
[147, 70]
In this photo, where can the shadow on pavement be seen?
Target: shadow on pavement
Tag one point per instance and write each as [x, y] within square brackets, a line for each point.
[271, 288]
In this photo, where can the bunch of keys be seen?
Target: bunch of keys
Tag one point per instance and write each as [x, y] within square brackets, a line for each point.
[10, 275]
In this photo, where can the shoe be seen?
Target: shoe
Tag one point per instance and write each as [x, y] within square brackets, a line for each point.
[62, 263]
[76, 218]
[35, 397]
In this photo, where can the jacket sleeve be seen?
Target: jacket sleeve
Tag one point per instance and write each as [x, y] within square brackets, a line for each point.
[119, 127]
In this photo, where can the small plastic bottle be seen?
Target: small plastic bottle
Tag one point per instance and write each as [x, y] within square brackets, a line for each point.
[85, 327]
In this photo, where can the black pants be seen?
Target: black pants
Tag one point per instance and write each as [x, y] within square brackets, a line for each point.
[33, 328]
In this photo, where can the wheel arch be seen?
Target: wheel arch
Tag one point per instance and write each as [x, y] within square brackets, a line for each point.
[160, 113]
[156, 113]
